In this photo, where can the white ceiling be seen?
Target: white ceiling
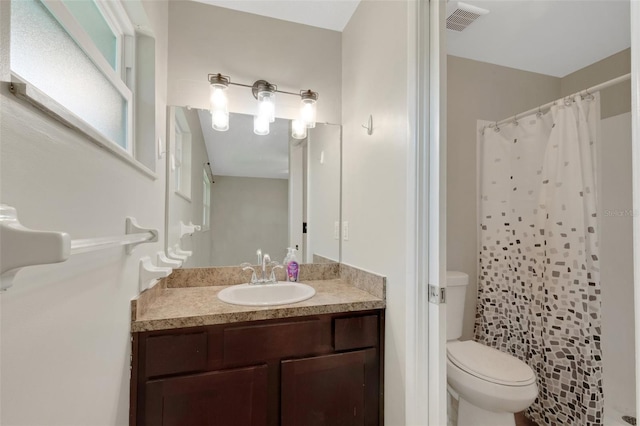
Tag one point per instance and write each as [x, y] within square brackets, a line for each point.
[549, 37]
[240, 152]
[328, 14]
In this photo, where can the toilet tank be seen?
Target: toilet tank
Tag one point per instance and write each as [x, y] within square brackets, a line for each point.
[456, 289]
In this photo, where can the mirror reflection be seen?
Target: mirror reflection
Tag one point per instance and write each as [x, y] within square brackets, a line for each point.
[249, 192]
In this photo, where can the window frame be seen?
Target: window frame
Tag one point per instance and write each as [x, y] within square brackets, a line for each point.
[206, 199]
[183, 185]
[125, 54]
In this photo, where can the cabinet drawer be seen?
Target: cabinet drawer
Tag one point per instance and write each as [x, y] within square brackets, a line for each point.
[261, 343]
[177, 353]
[355, 332]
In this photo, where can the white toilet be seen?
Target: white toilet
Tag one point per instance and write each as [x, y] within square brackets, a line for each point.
[490, 385]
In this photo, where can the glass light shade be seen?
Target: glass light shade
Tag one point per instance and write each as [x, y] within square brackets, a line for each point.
[261, 125]
[220, 120]
[219, 107]
[267, 106]
[218, 97]
[298, 129]
[308, 112]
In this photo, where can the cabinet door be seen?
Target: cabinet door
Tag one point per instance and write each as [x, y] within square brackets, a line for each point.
[221, 398]
[331, 390]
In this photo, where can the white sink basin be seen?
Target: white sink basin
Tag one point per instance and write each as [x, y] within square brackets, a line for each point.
[280, 293]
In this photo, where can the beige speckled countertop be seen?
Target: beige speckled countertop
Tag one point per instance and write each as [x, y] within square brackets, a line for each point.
[167, 308]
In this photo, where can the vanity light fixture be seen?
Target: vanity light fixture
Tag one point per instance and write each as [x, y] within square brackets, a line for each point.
[308, 109]
[265, 93]
[219, 101]
[298, 129]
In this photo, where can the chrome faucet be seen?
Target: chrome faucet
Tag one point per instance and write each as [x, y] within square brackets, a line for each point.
[266, 259]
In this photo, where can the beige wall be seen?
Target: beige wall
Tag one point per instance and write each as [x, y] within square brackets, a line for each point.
[248, 214]
[205, 39]
[614, 100]
[374, 185]
[478, 91]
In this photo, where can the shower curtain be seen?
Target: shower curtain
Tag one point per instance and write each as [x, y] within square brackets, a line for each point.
[539, 283]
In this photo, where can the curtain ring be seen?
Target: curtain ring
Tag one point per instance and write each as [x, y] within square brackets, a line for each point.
[567, 101]
[497, 129]
[539, 113]
[515, 120]
[589, 96]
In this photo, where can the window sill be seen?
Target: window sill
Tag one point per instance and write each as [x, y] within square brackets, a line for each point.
[44, 103]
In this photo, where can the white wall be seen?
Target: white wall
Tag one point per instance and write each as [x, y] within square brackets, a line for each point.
[189, 210]
[374, 58]
[205, 39]
[323, 201]
[296, 199]
[616, 264]
[66, 327]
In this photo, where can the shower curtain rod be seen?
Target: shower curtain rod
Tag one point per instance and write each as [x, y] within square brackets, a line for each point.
[584, 92]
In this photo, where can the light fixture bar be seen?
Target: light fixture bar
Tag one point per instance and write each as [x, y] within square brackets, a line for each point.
[252, 86]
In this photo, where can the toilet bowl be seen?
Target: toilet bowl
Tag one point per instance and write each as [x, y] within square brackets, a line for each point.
[491, 386]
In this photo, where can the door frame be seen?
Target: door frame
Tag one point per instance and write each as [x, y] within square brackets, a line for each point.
[635, 141]
[426, 382]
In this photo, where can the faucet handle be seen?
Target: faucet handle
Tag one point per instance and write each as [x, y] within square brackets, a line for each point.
[246, 266]
[274, 265]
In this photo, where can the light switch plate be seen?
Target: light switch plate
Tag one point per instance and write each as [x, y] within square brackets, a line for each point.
[336, 230]
[345, 230]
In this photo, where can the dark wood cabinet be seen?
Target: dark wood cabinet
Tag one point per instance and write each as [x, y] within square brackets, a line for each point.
[336, 390]
[208, 399]
[320, 370]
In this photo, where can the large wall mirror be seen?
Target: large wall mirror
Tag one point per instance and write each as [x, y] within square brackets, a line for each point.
[250, 192]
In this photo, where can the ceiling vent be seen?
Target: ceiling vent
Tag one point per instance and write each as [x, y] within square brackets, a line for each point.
[460, 15]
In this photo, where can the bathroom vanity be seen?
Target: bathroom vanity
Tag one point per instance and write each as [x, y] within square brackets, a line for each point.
[197, 360]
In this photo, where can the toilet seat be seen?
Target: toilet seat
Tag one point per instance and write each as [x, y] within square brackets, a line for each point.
[488, 364]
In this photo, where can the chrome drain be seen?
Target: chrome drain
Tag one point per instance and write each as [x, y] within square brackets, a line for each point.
[630, 419]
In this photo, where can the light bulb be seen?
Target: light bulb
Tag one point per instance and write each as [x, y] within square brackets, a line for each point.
[308, 112]
[261, 125]
[267, 106]
[218, 96]
[219, 107]
[220, 120]
[298, 129]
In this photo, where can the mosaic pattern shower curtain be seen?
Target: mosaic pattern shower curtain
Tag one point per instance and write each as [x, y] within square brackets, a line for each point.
[539, 284]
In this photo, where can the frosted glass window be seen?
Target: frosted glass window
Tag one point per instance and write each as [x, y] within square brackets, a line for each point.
[44, 55]
[93, 22]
